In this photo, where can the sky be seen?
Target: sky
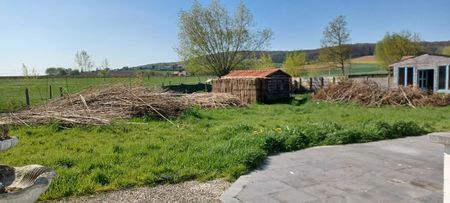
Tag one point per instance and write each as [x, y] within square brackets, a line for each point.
[48, 33]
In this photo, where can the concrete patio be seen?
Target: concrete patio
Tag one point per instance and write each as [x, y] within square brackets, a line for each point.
[402, 170]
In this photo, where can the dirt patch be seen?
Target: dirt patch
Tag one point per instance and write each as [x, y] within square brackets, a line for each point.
[369, 93]
[101, 106]
[192, 191]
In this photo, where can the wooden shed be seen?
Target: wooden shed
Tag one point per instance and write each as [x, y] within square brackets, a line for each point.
[268, 85]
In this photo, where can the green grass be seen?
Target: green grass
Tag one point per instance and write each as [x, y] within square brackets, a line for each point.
[214, 143]
[13, 90]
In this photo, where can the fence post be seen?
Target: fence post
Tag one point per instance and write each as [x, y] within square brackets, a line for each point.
[50, 91]
[321, 82]
[27, 98]
[310, 84]
[299, 84]
[61, 92]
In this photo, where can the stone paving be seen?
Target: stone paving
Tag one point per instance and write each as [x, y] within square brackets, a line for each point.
[401, 170]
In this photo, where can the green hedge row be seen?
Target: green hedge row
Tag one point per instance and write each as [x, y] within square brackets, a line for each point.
[329, 133]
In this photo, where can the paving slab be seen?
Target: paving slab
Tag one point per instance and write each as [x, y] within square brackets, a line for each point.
[401, 170]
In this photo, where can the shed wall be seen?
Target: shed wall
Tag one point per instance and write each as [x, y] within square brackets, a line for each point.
[251, 90]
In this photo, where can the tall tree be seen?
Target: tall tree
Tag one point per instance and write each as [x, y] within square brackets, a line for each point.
[84, 61]
[295, 62]
[335, 48]
[395, 46]
[213, 41]
[446, 51]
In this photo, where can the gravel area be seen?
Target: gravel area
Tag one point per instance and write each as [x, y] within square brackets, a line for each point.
[191, 191]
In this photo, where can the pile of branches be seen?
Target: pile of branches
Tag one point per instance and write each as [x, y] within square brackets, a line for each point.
[100, 106]
[369, 93]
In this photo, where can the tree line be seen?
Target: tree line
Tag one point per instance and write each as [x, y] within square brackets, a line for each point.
[84, 63]
[212, 41]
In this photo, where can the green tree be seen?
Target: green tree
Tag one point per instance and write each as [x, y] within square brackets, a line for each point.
[295, 62]
[395, 46]
[104, 68]
[446, 51]
[51, 71]
[263, 62]
[335, 49]
[211, 40]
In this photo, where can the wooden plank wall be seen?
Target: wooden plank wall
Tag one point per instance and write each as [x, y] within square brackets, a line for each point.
[247, 89]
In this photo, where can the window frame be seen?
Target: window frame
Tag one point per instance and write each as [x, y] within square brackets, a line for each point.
[407, 70]
[446, 77]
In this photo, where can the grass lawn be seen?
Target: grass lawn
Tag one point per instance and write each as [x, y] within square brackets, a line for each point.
[13, 90]
[209, 144]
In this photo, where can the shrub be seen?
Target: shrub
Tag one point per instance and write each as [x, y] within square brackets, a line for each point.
[192, 112]
[330, 133]
[403, 129]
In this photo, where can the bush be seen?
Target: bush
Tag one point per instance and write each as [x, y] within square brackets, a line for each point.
[330, 133]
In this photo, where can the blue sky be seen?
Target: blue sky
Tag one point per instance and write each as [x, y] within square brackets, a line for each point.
[48, 33]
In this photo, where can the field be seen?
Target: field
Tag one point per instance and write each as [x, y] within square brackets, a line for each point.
[209, 144]
[13, 90]
[359, 68]
[370, 59]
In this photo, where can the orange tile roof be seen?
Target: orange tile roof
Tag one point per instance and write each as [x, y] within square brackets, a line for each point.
[253, 73]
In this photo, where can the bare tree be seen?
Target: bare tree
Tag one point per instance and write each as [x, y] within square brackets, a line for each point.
[210, 40]
[25, 71]
[84, 61]
[335, 49]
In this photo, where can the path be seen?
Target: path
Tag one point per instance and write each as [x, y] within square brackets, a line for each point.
[191, 191]
[401, 170]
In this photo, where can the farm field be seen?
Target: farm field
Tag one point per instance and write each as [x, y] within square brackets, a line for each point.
[209, 144]
[358, 68]
[13, 90]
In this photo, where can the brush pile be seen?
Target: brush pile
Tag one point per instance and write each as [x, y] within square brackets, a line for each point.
[369, 93]
[99, 106]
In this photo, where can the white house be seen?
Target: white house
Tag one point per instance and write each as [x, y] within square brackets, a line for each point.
[429, 72]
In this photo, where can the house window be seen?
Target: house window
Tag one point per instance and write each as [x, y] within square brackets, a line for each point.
[408, 80]
[441, 77]
[401, 76]
[409, 76]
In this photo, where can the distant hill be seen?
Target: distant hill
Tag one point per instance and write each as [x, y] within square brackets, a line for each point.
[358, 50]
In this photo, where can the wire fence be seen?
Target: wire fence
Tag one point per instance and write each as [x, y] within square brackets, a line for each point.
[21, 93]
